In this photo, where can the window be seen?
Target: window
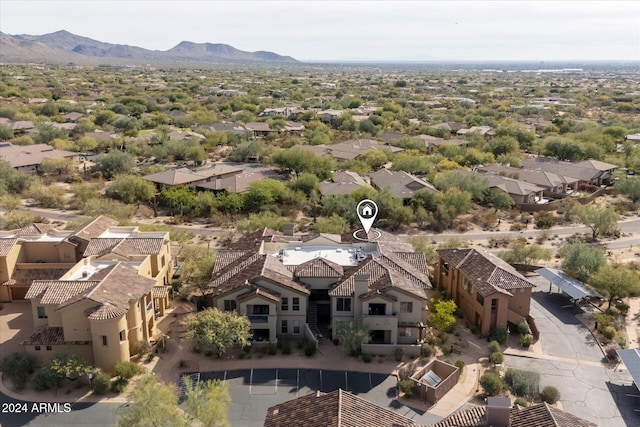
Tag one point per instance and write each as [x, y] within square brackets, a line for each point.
[343, 304]
[42, 313]
[285, 304]
[296, 304]
[49, 348]
[123, 335]
[162, 260]
[377, 309]
[406, 307]
[104, 340]
[467, 286]
[445, 269]
[37, 348]
[285, 327]
[480, 299]
[494, 305]
[229, 305]
[296, 326]
[406, 332]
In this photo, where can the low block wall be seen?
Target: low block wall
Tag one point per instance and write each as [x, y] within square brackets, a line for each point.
[388, 349]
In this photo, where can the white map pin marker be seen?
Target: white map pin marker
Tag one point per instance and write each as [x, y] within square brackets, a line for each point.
[367, 212]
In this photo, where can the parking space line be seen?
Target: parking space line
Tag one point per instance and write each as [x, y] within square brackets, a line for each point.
[250, 380]
[225, 376]
[370, 382]
[297, 381]
[346, 382]
[276, 381]
[320, 379]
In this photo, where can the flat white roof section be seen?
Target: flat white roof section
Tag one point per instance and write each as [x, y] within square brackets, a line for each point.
[344, 256]
[431, 378]
[93, 267]
[631, 359]
[570, 286]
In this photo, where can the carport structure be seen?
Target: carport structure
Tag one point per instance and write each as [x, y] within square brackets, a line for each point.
[567, 284]
[631, 359]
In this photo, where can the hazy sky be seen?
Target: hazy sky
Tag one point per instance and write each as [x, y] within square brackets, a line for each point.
[341, 30]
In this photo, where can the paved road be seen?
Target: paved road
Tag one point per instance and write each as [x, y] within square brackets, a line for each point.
[596, 392]
[78, 415]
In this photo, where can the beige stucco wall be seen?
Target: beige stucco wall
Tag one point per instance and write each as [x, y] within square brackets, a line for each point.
[272, 317]
[106, 356]
[74, 321]
[85, 351]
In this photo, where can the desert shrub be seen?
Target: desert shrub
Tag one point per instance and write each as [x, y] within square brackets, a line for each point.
[523, 383]
[494, 347]
[426, 350]
[366, 357]
[398, 353]
[101, 382]
[150, 357]
[545, 220]
[491, 383]
[520, 401]
[270, 348]
[140, 347]
[499, 334]
[550, 395]
[460, 364]
[45, 378]
[18, 367]
[609, 332]
[622, 308]
[285, 347]
[496, 358]
[523, 328]
[126, 369]
[119, 385]
[407, 387]
[611, 352]
[526, 340]
[309, 348]
[446, 348]
[405, 372]
[183, 364]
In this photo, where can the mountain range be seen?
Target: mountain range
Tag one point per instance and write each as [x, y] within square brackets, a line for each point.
[64, 47]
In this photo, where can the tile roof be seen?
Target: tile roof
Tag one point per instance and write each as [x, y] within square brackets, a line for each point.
[30, 155]
[124, 246]
[93, 228]
[401, 184]
[540, 415]
[27, 276]
[532, 176]
[583, 171]
[487, 272]
[250, 267]
[34, 229]
[116, 286]
[46, 335]
[336, 409]
[259, 291]
[6, 245]
[160, 291]
[319, 267]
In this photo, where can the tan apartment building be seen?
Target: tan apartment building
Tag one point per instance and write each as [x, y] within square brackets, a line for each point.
[489, 292]
[94, 291]
[309, 284]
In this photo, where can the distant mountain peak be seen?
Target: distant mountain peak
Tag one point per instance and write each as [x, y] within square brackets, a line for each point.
[64, 46]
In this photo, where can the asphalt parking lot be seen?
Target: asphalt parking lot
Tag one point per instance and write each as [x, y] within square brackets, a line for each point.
[253, 391]
[601, 393]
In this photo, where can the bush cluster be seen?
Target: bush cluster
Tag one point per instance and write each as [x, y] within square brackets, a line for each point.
[491, 383]
[18, 367]
[523, 383]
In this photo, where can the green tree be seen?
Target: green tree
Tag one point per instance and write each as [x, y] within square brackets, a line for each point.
[376, 158]
[449, 205]
[261, 220]
[615, 281]
[13, 181]
[10, 203]
[582, 260]
[114, 163]
[68, 365]
[442, 316]
[601, 220]
[61, 168]
[499, 199]
[208, 402]
[196, 269]
[503, 145]
[334, 224]
[630, 187]
[298, 161]
[212, 329]
[352, 336]
[50, 196]
[520, 252]
[82, 192]
[475, 185]
[131, 189]
[305, 182]
[248, 149]
[152, 404]
[491, 383]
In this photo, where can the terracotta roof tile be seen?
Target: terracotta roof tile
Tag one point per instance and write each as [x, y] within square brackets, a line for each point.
[336, 409]
[471, 417]
[160, 291]
[6, 245]
[125, 246]
[259, 291]
[319, 267]
[26, 276]
[93, 228]
[487, 272]
[58, 291]
[34, 229]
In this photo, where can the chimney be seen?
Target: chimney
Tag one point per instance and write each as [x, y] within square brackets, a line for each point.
[287, 229]
[498, 410]
[360, 287]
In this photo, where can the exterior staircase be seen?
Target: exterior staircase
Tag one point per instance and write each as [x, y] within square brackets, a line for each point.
[312, 319]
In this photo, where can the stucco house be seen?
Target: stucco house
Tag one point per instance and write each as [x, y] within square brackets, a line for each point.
[488, 291]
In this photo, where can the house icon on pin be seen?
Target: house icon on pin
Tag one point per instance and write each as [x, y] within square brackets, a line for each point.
[367, 210]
